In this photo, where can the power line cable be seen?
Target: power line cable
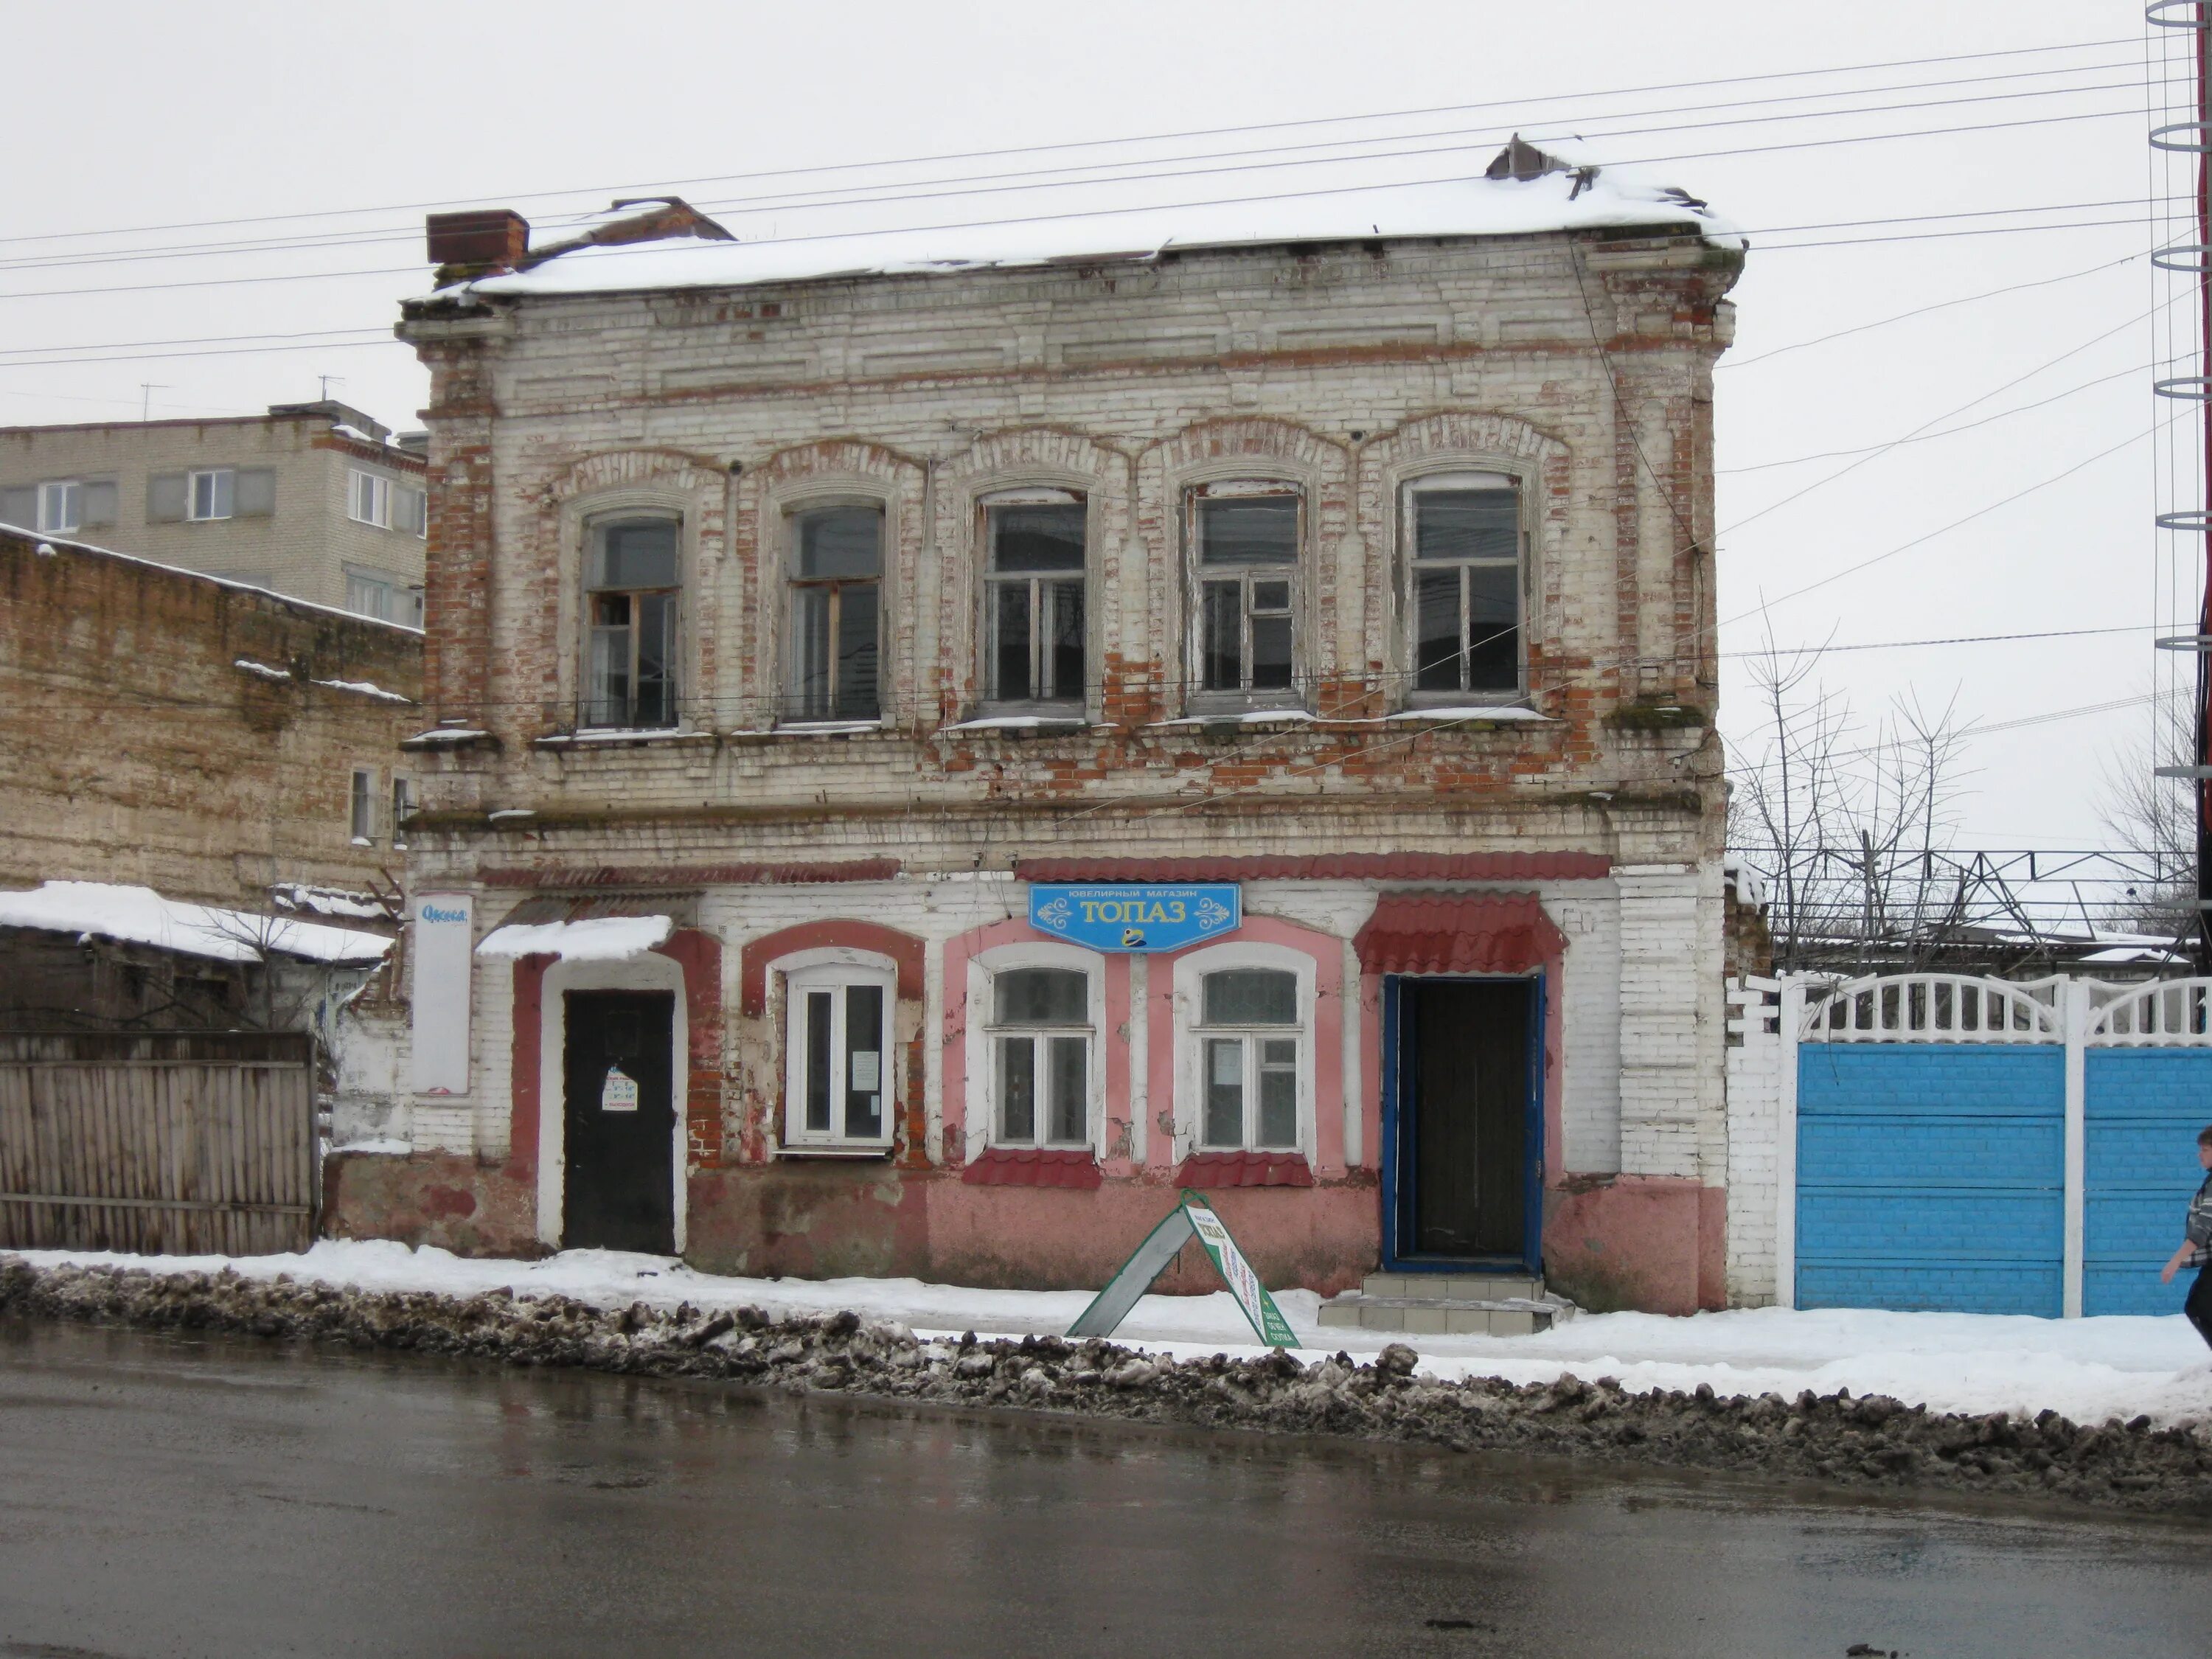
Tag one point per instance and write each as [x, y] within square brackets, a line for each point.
[984, 154]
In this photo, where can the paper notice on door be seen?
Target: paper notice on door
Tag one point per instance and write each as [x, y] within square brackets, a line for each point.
[867, 1070]
[619, 1092]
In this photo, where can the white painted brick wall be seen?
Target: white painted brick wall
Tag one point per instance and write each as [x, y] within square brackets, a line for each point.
[1754, 1114]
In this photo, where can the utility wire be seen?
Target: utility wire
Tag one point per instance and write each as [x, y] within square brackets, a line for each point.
[1032, 149]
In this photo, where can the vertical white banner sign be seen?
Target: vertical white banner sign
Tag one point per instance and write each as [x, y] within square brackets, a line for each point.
[445, 945]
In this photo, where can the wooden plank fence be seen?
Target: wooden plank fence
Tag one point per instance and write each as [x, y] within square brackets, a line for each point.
[180, 1143]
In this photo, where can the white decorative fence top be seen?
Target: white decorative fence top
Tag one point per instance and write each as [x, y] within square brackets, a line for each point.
[2167, 1013]
[1932, 1008]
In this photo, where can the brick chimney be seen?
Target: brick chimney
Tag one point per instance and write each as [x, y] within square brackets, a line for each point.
[463, 245]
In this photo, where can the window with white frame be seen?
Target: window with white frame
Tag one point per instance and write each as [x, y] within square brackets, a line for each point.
[1250, 1050]
[211, 493]
[1463, 535]
[374, 593]
[403, 804]
[1040, 1057]
[362, 812]
[633, 581]
[838, 1076]
[369, 498]
[1244, 543]
[61, 506]
[836, 606]
[1033, 601]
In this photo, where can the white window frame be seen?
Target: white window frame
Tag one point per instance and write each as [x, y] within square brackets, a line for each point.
[1457, 479]
[1245, 697]
[61, 506]
[983, 1031]
[835, 971]
[360, 807]
[369, 498]
[222, 483]
[389, 585]
[1191, 1034]
[403, 803]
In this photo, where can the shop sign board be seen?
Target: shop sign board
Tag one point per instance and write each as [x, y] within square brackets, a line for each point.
[1192, 1218]
[443, 949]
[1132, 916]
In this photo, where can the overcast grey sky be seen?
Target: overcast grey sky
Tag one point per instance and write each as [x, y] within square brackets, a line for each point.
[130, 116]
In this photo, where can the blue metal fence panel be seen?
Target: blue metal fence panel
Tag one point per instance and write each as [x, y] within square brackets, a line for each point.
[1931, 1176]
[2142, 1108]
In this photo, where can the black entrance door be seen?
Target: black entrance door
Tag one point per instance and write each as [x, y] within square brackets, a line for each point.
[620, 1116]
[1465, 1138]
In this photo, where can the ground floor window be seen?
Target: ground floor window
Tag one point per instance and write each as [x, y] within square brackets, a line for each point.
[1041, 1036]
[838, 1083]
[1250, 1050]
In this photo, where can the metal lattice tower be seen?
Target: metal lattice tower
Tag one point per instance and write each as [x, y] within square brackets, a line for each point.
[2181, 199]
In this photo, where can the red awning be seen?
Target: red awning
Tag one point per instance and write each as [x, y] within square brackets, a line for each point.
[1458, 933]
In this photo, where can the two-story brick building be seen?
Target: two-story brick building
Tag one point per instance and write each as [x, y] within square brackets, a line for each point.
[938, 746]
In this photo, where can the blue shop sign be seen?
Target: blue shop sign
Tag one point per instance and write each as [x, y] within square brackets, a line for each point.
[1128, 916]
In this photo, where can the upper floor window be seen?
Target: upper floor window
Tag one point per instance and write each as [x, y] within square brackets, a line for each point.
[402, 807]
[61, 506]
[1246, 549]
[205, 495]
[632, 585]
[1464, 530]
[361, 809]
[1249, 1052]
[410, 510]
[836, 614]
[1034, 621]
[211, 493]
[369, 498]
[1040, 1038]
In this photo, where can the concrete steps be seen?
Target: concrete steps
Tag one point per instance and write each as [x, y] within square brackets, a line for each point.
[1449, 1304]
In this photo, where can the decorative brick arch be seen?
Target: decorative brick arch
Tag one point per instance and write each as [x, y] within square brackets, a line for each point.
[1475, 440]
[1220, 448]
[830, 466]
[548, 576]
[904, 950]
[1008, 459]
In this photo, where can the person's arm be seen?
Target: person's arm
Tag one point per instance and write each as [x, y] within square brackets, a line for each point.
[2180, 1260]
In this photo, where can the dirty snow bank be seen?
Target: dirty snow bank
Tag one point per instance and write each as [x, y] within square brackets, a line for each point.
[1861, 1441]
[2086, 1370]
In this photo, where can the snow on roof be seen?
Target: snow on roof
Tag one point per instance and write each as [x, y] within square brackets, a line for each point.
[139, 916]
[1572, 196]
[596, 939]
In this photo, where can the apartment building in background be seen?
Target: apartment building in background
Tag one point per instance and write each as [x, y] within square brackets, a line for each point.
[935, 748]
[315, 502]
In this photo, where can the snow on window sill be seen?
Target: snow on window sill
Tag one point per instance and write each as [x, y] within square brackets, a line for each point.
[600, 736]
[802, 1150]
[362, 687]
[451, 737]
[1004, 723]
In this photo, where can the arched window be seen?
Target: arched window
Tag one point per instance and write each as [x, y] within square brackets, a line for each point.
[1250, 1049]
[633, 582]
[1034, 625]
[1245, 545]
[1464, 541]
[1041, 1043]
[836, 606]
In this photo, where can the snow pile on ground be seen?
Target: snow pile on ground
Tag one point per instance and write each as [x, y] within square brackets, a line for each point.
[2085, 1370]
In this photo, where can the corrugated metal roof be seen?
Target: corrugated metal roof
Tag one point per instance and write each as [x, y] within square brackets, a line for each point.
[1211, 1169]
[1458, 933]
[1329, 867]
[1030, 1166]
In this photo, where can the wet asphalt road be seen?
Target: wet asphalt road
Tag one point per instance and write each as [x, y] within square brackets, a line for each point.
[164, 1496]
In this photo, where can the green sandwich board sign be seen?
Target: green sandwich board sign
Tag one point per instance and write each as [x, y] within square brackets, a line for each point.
[1192, 1218]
